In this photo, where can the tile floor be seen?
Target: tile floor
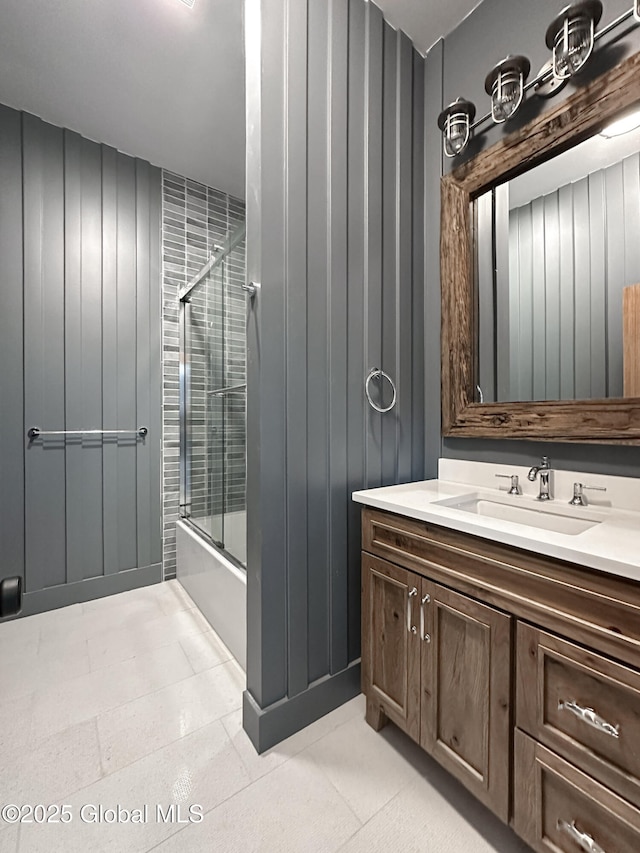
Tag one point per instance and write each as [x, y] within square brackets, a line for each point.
[133, 700]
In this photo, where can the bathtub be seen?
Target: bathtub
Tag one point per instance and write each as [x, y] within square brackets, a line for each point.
[216, 585]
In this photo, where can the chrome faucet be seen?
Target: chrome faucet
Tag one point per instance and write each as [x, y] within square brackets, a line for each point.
[545, 472]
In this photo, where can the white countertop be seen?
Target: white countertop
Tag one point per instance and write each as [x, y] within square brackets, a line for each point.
[611, 546]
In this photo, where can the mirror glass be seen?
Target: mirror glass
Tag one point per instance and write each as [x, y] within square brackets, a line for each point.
[557, 257]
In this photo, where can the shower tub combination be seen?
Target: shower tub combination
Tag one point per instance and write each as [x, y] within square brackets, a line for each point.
[211, 535]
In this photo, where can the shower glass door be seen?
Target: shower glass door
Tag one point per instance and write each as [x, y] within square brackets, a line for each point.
[213, 399]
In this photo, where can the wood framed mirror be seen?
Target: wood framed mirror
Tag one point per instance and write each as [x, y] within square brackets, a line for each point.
[611, 419]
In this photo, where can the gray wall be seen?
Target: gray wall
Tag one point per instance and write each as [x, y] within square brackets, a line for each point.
[195, 218]
[337, 241]
[572, 252]
[494, 29]
[80, 348]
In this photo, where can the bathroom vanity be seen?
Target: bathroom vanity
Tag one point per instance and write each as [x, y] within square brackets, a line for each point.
[509, 649]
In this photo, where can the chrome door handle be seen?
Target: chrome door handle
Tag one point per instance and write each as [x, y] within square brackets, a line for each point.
[424, 600]
[589, 716]
[582, 839]
[411, 628]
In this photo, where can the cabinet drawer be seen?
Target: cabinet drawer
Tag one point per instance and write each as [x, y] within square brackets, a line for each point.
[584, 706]
[559, 808]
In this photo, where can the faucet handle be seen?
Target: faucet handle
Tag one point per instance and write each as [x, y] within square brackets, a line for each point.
[515, 486]
[578, 498]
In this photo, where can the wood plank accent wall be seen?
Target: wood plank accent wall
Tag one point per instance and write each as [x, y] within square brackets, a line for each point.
[337, 241]
[572, 253]
[83, 305]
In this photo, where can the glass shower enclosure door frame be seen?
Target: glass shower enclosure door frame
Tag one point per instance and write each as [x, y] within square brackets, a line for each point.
[196, 296]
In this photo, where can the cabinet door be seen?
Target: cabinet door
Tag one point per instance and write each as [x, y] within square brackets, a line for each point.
[465, 704]
[390, 645]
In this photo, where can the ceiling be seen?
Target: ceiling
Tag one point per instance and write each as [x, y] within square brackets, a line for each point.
[425, 21]
[155, 78]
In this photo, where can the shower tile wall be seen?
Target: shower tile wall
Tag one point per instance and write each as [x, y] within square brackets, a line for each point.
[194, 219]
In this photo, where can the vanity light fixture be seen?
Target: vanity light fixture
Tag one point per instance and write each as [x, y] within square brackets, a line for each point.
[505, 83]
[455, 123]
[571, 36]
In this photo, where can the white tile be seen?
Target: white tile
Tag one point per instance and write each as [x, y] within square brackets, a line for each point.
[25, 626]
[173, 598]
[433, 813]
[129, 615]
[48, 666]
[18, 640]
[115, 602]
[202, 768]
[292, 809]
[144, 725]
[56, 767]
[16, 724]
[366, 769]
[205, 650]
[260, 765]
[60, 706]
[109, 647]
[8, 838]
[62, 620]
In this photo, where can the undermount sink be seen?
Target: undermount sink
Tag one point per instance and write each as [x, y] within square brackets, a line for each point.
[542, 517]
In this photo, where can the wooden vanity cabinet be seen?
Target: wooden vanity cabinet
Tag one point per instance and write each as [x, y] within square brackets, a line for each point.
[520, 674]
[438, 665]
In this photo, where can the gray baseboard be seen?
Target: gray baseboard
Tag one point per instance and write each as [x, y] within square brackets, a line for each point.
[268, 726]
[74, 593]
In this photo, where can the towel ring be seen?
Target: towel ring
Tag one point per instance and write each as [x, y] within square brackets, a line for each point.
[375, 372]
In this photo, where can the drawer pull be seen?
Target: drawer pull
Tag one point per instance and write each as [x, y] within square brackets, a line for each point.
[585, 841]
[410, 628]
[589, 716]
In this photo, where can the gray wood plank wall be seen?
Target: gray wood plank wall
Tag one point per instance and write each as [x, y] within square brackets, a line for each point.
[80, 297]
[571, 253]
[336, 239]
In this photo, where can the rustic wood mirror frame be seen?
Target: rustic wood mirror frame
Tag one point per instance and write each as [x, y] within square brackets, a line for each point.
[608, 421]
